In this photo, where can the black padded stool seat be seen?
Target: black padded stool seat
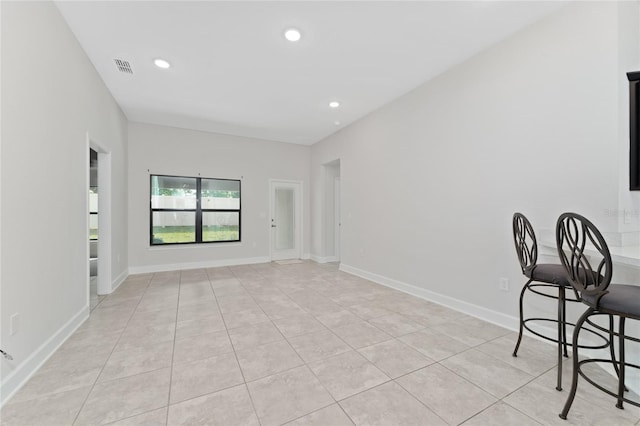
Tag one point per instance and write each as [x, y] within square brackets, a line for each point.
[548, 273]
[620, 299]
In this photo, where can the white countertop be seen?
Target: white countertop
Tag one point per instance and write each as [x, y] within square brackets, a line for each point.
[629, 255]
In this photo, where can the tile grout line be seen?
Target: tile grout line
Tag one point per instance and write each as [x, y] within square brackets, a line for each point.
[500, 401]
[304, 364]
[253, 406]
[173, 349]
[75, 419]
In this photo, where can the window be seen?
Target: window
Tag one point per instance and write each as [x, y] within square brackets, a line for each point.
[194, 210]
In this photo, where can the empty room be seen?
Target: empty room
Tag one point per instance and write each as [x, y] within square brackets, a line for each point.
[320, 213]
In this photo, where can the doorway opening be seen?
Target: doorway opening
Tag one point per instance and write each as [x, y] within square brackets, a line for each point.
[286, 220]
[98, 222]
[94, 298]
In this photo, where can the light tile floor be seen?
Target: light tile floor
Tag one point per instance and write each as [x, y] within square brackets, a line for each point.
[299, 344]
[94, 298]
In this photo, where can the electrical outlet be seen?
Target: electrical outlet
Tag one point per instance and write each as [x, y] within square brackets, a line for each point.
[14, 324]
[504, 284]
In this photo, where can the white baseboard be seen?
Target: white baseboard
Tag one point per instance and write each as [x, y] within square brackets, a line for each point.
[195, 265]
[489, 315]
[27, 368]
[119, 280]
[324, 259]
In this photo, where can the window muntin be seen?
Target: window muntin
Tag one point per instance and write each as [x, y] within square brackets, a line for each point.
[194, 210]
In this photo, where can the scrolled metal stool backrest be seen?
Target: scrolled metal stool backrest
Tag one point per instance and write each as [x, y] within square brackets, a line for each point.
[589, 273]
[525, 241]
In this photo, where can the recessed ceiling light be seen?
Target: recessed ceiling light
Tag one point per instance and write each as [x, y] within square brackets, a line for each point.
[292, 34]
[334, 104]
[337, 123]
[161, 63]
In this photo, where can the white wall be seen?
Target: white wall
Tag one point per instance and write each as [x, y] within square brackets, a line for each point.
[171, 151]
[628, 60]
[430, 181]
[51, 97]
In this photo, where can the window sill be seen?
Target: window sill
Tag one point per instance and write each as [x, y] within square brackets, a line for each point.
[193, 246]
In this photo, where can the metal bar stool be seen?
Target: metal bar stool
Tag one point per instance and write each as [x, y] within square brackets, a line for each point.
[542, 277]
[587, 260]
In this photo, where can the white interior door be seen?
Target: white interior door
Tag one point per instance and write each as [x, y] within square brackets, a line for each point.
[286, 223]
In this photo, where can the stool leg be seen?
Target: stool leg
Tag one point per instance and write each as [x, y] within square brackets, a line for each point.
[574, 381]
[612, 349]
[561, 338]
[524, 288]
[564, 324]
[622, 361]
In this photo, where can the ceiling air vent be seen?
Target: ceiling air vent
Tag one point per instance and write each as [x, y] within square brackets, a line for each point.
[123, 66]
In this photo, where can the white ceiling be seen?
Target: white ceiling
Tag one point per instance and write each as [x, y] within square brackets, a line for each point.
[234, 73]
